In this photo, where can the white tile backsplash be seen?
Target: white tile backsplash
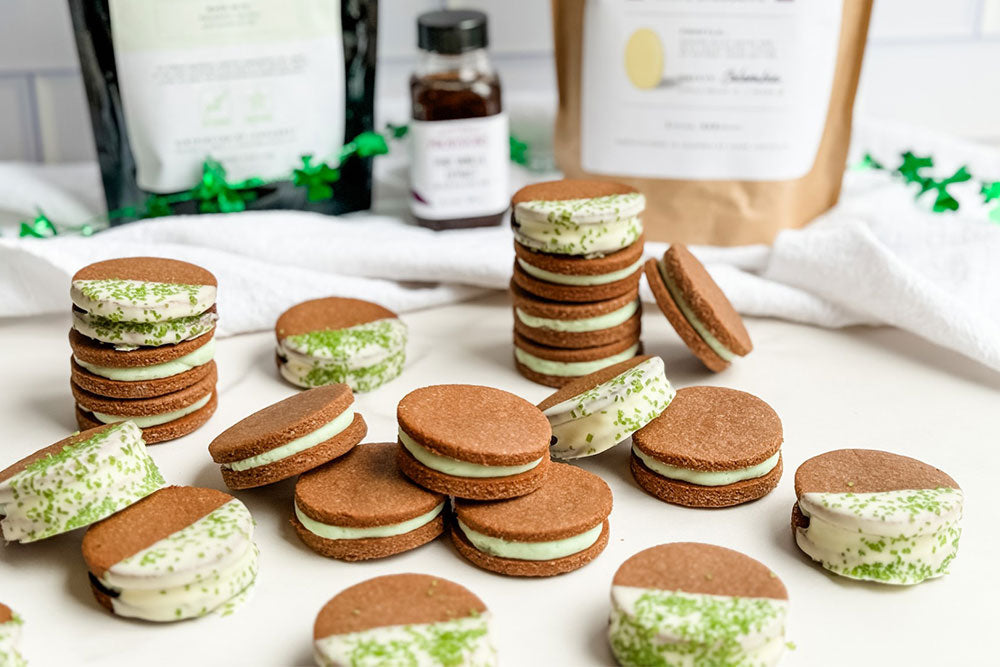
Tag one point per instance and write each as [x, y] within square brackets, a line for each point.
[63, 123]
[516, 26]
[36, 35]
[17, 135]
[397, 26]
[918, 20]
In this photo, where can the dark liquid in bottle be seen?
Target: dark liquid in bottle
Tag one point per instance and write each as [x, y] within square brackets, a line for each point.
[446, 96]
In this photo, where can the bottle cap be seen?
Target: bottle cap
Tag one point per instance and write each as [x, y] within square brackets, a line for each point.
[452, 31]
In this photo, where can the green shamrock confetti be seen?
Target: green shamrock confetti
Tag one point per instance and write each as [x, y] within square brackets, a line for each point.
[991, 192]
[315, 178]
[944, 201]
[911, 165]
[518, 151]
[40, 228]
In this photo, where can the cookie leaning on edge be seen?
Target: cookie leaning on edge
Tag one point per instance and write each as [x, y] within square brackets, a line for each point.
[10, 638]
[289, 437]
[576, 325]
[76, 482]
[697, 309]
[179, 553]
[404, 619]
[557, 529]
[360, 506]
[692, 603]
[871, 515]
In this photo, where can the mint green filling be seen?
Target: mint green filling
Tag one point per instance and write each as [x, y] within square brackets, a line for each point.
[199, 357]
[154, 420]
[571, 368]
[725, 353]
[707, 477]
[564, 279]
[322, 434]
[458, 468]
[332, 532]
[606, 321]
[553, 549]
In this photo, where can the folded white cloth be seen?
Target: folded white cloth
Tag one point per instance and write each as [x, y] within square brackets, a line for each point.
[877, 258]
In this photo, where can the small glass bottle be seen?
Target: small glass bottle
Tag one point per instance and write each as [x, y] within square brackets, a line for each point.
[459, 140]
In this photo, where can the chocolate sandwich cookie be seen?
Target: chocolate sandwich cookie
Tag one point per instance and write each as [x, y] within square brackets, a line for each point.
[871, 515]
[404, 619]
[557, 529]
[10, 638]
[713, 447]
[577, 217]
[114, 297]
[289, 437]
[594, 413]
[180, 553]
[360, 507]
[472, 442]
[75, 482]
[333, 340]
[576, 325]
[578, 279]
[161, 418]
[555, 367]
[688, 603]
[697, 309]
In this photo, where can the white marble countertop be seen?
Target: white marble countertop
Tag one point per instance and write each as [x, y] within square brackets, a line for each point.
[876, 388]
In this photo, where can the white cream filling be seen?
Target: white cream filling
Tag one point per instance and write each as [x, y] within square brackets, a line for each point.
[300, 444]
[199, 357]
[331, 532]
[550, 550]
[707, 477]
[153, 420]
[714, 343]
[579, 280]
[141, 301]
[597, 323]
[571, 368]
[456, 468]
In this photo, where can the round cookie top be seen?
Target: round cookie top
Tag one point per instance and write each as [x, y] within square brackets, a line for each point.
[51, 450]
[570, 502]
[582, 266]
[6, 614]
[475, 424]
[584, 384]
[281, 423]
[556, 310]
[148, 521]
[395, 599]
[867, 471]
[706, 569]
[328, 314]
[94, 352]
[147, 269]
[363, 488]
[568, 189]
[710, 429]
[705, 298]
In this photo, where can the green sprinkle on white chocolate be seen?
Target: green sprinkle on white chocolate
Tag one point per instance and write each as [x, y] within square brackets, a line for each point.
[714, 343]
[155, 420]
[707, 477]
[199, 357]
[84, 483]
[571, 368]
[329, 430]
[10, 643]
[123, 334]
[674, 628]
[463, 642]
[578, 280]
[456, 468]
[602, 417]
[597, 323]
[139, 301]
[550, 550]
[331, 532]
[589, 227]
[892, 537]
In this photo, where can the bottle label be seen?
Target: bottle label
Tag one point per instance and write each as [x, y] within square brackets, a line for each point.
[459, 168]
[254, 84]
[687, 89]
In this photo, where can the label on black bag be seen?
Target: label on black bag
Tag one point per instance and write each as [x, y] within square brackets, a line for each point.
[254, 84]
[687, 89]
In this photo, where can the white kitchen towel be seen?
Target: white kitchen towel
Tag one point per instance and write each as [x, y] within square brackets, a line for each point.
[878, 257]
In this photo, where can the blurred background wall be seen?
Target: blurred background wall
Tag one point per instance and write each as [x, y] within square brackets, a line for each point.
[929, 62]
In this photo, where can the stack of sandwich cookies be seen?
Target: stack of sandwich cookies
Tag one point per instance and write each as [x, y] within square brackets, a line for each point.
[181, 553]
[696, 604]
[594, 413]
[289, 437]
[558, 528]
[472, 442]
[871, 515]
[360, 507]
[334, 340]
[10, 638]
[697, 309]
[76, 482]
[713, 447]
[404, 619]
[578, 248]
[142, 345]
